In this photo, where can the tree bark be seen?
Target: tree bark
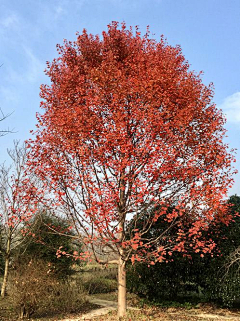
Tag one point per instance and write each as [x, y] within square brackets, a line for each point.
[6, 268]
[122, 289]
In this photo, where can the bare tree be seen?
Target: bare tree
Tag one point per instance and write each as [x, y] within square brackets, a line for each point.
[233, 260]
[17, 204]
[3, 116]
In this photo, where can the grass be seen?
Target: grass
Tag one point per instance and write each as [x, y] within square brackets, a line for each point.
[132, 299]
[95, 280]
[96, 266]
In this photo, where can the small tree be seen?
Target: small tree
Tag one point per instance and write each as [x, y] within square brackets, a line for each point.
[18, 202]
[126, 128]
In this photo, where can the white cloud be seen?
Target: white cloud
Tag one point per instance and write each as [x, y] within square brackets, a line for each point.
[231, 107]
[8, 94]
[35, 66]
[58, 12]
[9, 21]
[31, 69]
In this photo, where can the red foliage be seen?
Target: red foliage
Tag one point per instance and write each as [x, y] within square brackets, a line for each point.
[127, 128]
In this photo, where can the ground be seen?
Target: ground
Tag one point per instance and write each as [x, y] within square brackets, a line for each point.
[102, 307]
[107, 312]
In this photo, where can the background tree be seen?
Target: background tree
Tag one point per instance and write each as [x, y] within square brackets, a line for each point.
[222, 280]
[127, 127]
[18, 202]
[216, 275]
[48, 234]
[174, 275]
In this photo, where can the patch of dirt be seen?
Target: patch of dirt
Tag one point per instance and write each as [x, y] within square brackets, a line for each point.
[106, 307]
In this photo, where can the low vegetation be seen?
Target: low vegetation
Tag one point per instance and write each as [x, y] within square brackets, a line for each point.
[35, 291]
[181, 289]
[99, 280]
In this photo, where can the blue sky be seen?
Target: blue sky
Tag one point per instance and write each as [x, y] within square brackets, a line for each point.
[207, 30]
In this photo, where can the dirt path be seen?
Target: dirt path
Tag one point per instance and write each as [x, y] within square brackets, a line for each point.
[106, 307]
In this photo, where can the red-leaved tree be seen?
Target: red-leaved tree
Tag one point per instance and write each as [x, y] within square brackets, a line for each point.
[127, 132]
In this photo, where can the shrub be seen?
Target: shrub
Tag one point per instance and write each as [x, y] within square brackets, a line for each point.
[29, 284]
[34, 288]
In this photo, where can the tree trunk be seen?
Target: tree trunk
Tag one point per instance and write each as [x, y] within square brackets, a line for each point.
[122, 290]
[6, 268]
